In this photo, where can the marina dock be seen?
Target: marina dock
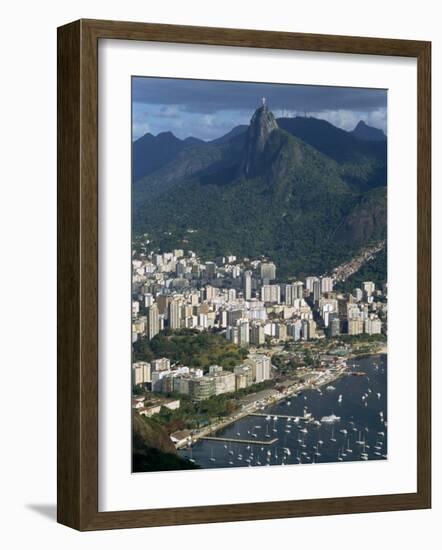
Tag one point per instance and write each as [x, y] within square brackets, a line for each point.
[237, 440]
[280, 416]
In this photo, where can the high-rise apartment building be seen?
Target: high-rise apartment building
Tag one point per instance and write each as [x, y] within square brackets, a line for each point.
[174, 314]
[152, 318]
[268, 272]
[247, 283]
[141, 373]
[271, 294]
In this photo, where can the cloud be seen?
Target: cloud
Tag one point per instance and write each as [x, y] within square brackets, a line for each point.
[209, 109]
[207, 96]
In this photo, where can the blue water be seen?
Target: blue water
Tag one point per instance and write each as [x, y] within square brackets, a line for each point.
[360, 434]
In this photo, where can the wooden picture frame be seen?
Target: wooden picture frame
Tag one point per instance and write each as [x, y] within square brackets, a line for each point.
[78, 274]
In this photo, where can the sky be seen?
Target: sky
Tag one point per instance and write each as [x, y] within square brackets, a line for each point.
[208, 109]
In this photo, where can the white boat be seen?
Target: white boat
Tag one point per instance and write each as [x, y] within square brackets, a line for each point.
[340, 398]
[364, 455]
[330, 388]
[331, 419]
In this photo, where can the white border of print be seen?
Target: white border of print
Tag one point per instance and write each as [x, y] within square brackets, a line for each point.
[119, 489]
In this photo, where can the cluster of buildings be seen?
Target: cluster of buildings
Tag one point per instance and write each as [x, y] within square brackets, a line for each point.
[152, 405]
[163, 377]
[244, 300]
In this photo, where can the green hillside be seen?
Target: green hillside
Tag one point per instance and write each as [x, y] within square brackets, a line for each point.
[294, 205]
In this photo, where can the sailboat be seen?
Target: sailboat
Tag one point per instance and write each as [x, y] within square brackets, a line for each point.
[212, 458]
[191, 459]
[364, 455]
[333, 438]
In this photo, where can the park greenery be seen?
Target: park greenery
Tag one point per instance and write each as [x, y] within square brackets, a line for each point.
[191, 348]
[196, 414]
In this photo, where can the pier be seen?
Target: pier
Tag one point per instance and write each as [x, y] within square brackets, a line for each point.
[237, 440]
[293, 417]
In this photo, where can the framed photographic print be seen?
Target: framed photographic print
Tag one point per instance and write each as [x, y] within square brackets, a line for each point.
[243, 275]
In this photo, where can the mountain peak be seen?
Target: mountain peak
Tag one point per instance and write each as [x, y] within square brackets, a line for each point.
[368, 133]
[361, 124]
[261, 126]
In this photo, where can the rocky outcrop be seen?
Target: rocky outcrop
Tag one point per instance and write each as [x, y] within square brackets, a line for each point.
[261, 126]
[152, 449]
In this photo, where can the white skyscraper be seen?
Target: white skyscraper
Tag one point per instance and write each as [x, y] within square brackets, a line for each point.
[317, 290]
[326, 284]
[268, 272]
[247, 285]
[174, 315]
[141, 373]
[243, 332]
[271, 294]
[153, 325]
[368, 287]
[309, 283]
